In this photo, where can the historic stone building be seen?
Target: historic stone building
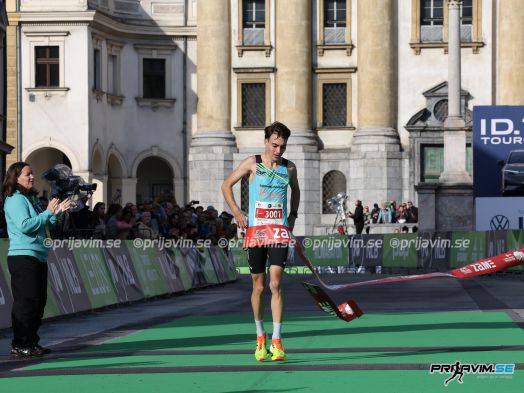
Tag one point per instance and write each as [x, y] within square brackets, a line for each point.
[125, 92]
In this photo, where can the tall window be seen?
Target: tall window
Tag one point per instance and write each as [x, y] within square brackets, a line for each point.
[432, 164]
[334, 21]
[431, 20]
[97, 69]
[466, 12]
[333, 182]
[432, 13]
[47, 66]
[253, 21]
[335, 13]
[154, 78]
[112, 73]
[253, 104]
[334, 105]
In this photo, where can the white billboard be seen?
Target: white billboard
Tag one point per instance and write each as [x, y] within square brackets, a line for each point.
[499, 213]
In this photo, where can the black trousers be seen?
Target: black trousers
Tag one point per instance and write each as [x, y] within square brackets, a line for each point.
[29, 288]
[359, 226]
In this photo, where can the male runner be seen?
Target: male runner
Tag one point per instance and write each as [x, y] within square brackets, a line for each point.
[269, 227]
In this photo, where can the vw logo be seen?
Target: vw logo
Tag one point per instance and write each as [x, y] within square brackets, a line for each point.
[499, 222]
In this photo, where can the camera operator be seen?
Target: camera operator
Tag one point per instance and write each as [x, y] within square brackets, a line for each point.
[27, 222]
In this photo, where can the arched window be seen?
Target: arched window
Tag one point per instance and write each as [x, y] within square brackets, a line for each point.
[333, 182]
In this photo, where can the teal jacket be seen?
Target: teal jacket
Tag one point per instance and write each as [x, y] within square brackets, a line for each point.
[26, 221]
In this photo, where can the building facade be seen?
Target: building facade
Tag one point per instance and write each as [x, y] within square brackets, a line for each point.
[124, 92]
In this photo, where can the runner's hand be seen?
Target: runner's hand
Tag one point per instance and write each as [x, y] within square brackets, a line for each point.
[240, 218]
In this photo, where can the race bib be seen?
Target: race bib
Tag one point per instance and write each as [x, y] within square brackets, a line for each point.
[268, 213]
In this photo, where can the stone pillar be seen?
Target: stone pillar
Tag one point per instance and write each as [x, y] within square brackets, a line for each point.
[454, 196]
[128, 190]
[376, 159]
[293, 104]
[510, 56]
[455, 133]
[293, 79]
[212, 147]
[101, 189]
[12, 81]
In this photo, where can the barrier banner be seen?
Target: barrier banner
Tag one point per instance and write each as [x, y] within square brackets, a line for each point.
[95, 274]
[66, 282]
[372, 245]
[496, 242]
[6, 300]
[515, 241]
[192, 258]
[466, 247]
[228, 263]
[148, 270]
[239, 258]
[400, 251]
[433, 252]
[186, 278]
[326, 250]
[221, 264]
[207, 266]
[123, 274]
[170, 270]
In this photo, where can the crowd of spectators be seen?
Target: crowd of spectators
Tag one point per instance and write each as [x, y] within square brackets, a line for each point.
[151, 219]
[401, 213]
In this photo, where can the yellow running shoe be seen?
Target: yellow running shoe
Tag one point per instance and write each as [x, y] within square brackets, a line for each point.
[277, 350]
[261, 351]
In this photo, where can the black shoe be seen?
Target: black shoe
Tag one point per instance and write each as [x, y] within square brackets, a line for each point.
[42, 350]
[25, 352]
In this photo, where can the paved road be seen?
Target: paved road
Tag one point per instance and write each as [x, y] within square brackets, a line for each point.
[440, 294]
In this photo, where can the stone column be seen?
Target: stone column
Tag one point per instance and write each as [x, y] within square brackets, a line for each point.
[128, 189]
[293, 78]
[454, 196]
[12, 81]
[510, 56]
[212, 147]
[455, 133]
[294, 102]
[375, 159]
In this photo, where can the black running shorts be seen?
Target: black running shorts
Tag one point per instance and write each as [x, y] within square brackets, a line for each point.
[257, 257]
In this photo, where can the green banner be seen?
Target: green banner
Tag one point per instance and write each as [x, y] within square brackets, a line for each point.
[207, 266]
[400, 250]
[239, 257]
[51, 307]
[97, 279]
[467, 247]
[185, 275]
[327, 250]
[148, 270]
[516, 242]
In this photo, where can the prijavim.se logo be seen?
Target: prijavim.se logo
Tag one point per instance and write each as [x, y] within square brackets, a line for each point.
[457, 370]
[499, 132]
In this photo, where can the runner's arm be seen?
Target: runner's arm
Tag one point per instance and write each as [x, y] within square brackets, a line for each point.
[244, 169]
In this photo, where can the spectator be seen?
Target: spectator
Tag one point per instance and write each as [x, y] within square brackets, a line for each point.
[374, 213]
[384, 216]
[393, 211]
[358, 217]
[144, 229]
[113, 214]
[125, 224]
[98, 222]
[401, 215]
[413, 212]
[367, 219]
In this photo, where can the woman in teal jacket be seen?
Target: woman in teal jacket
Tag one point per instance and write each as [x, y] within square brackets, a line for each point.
[27, 257]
